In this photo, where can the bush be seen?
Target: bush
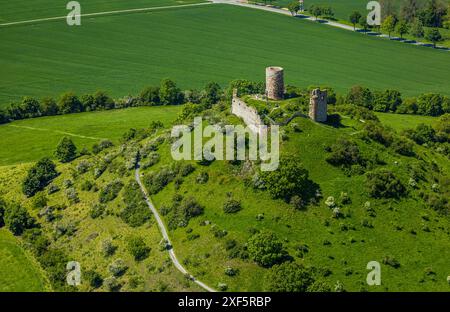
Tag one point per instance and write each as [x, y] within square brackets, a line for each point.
[72, 196]
[110, 191]
[39, 201]
[202, 177]
[231, 206]
[289, 277]
[266, 249]
[422, 134]
[97, 211]
[297, 202]
[117, 267]
[430, 104]
[345, 153]
[403, 147]
[39, 176]
[378, 133]
[382, 183]
[150, 96]
[17, 219]
[136, 211]
[183, 211]
[94, 279]
[112, 284]
[137, 248]
[108, 248]
[69, 103]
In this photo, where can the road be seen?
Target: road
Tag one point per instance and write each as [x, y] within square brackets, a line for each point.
[164, 233]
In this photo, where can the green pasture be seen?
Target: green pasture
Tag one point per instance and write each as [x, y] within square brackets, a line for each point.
[31, 139]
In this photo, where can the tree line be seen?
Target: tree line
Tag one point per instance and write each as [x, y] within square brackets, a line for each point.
[428, 104]
[167, 93]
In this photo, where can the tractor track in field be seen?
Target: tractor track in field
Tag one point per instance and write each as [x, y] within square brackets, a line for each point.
[164, 232]
[47, 19]
[57, 131]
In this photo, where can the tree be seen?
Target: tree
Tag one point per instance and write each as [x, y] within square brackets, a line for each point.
[360, 96]
[66, 150]
[363, 23]
[150, 96]
[49, 107]
[88, 103]
[388, 24]
[169, 93]
[293, 7]
[17, 219]
[430, 104]
[266, 249]
[30, 107]
[354, 18]
[316, 11]
[288, 180]
[4, 117]
[289, 277]
[402, 28]
[103, 101]
[416, 29]
[409, 10]
[39, 176]
[386, 101]
[137, 248]
[327, 12]
[432, 15]
[211, 93]
[434, 36]
[69, 103]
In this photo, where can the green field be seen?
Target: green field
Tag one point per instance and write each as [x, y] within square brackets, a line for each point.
[28, 140]
[401, 122]
[19, 272]
[123, 53]
[21, 10]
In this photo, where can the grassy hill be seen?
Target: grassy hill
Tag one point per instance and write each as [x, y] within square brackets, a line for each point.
[405, 229]
[20, 272]
[122, 54]
[401, 122]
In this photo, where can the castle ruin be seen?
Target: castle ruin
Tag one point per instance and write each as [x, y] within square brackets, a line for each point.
[248, 114]
[318, 105]
[275, 83]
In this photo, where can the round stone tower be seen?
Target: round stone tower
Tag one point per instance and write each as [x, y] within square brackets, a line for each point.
[275, 83]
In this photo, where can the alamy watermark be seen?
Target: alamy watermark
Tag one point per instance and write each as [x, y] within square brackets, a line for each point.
[255, 139]
[74, 16]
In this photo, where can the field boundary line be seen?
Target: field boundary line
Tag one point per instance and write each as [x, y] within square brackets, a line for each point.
[58, 131]
[104, 13]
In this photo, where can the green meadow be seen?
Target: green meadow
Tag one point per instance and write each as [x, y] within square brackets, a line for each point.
[403, 121]
[31, 139]
[19, 271]
[123, 53]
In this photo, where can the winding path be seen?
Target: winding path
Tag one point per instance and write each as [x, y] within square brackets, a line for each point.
[163, 230]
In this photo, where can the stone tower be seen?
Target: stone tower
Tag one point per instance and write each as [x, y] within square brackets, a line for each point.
[318, 105]
[274, 83]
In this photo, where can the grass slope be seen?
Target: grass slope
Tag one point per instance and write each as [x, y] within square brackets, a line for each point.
[22, 10]
[401, 122]
[349, 251]
[122, 54]
[31, 139]
[19, 270]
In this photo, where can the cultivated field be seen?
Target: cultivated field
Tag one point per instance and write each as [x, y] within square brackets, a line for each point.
[401, 122]
[24, 10]
[123, 53]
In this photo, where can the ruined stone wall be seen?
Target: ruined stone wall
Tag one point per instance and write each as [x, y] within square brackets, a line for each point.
[275, 83]
[247, 113]
[318, 105]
